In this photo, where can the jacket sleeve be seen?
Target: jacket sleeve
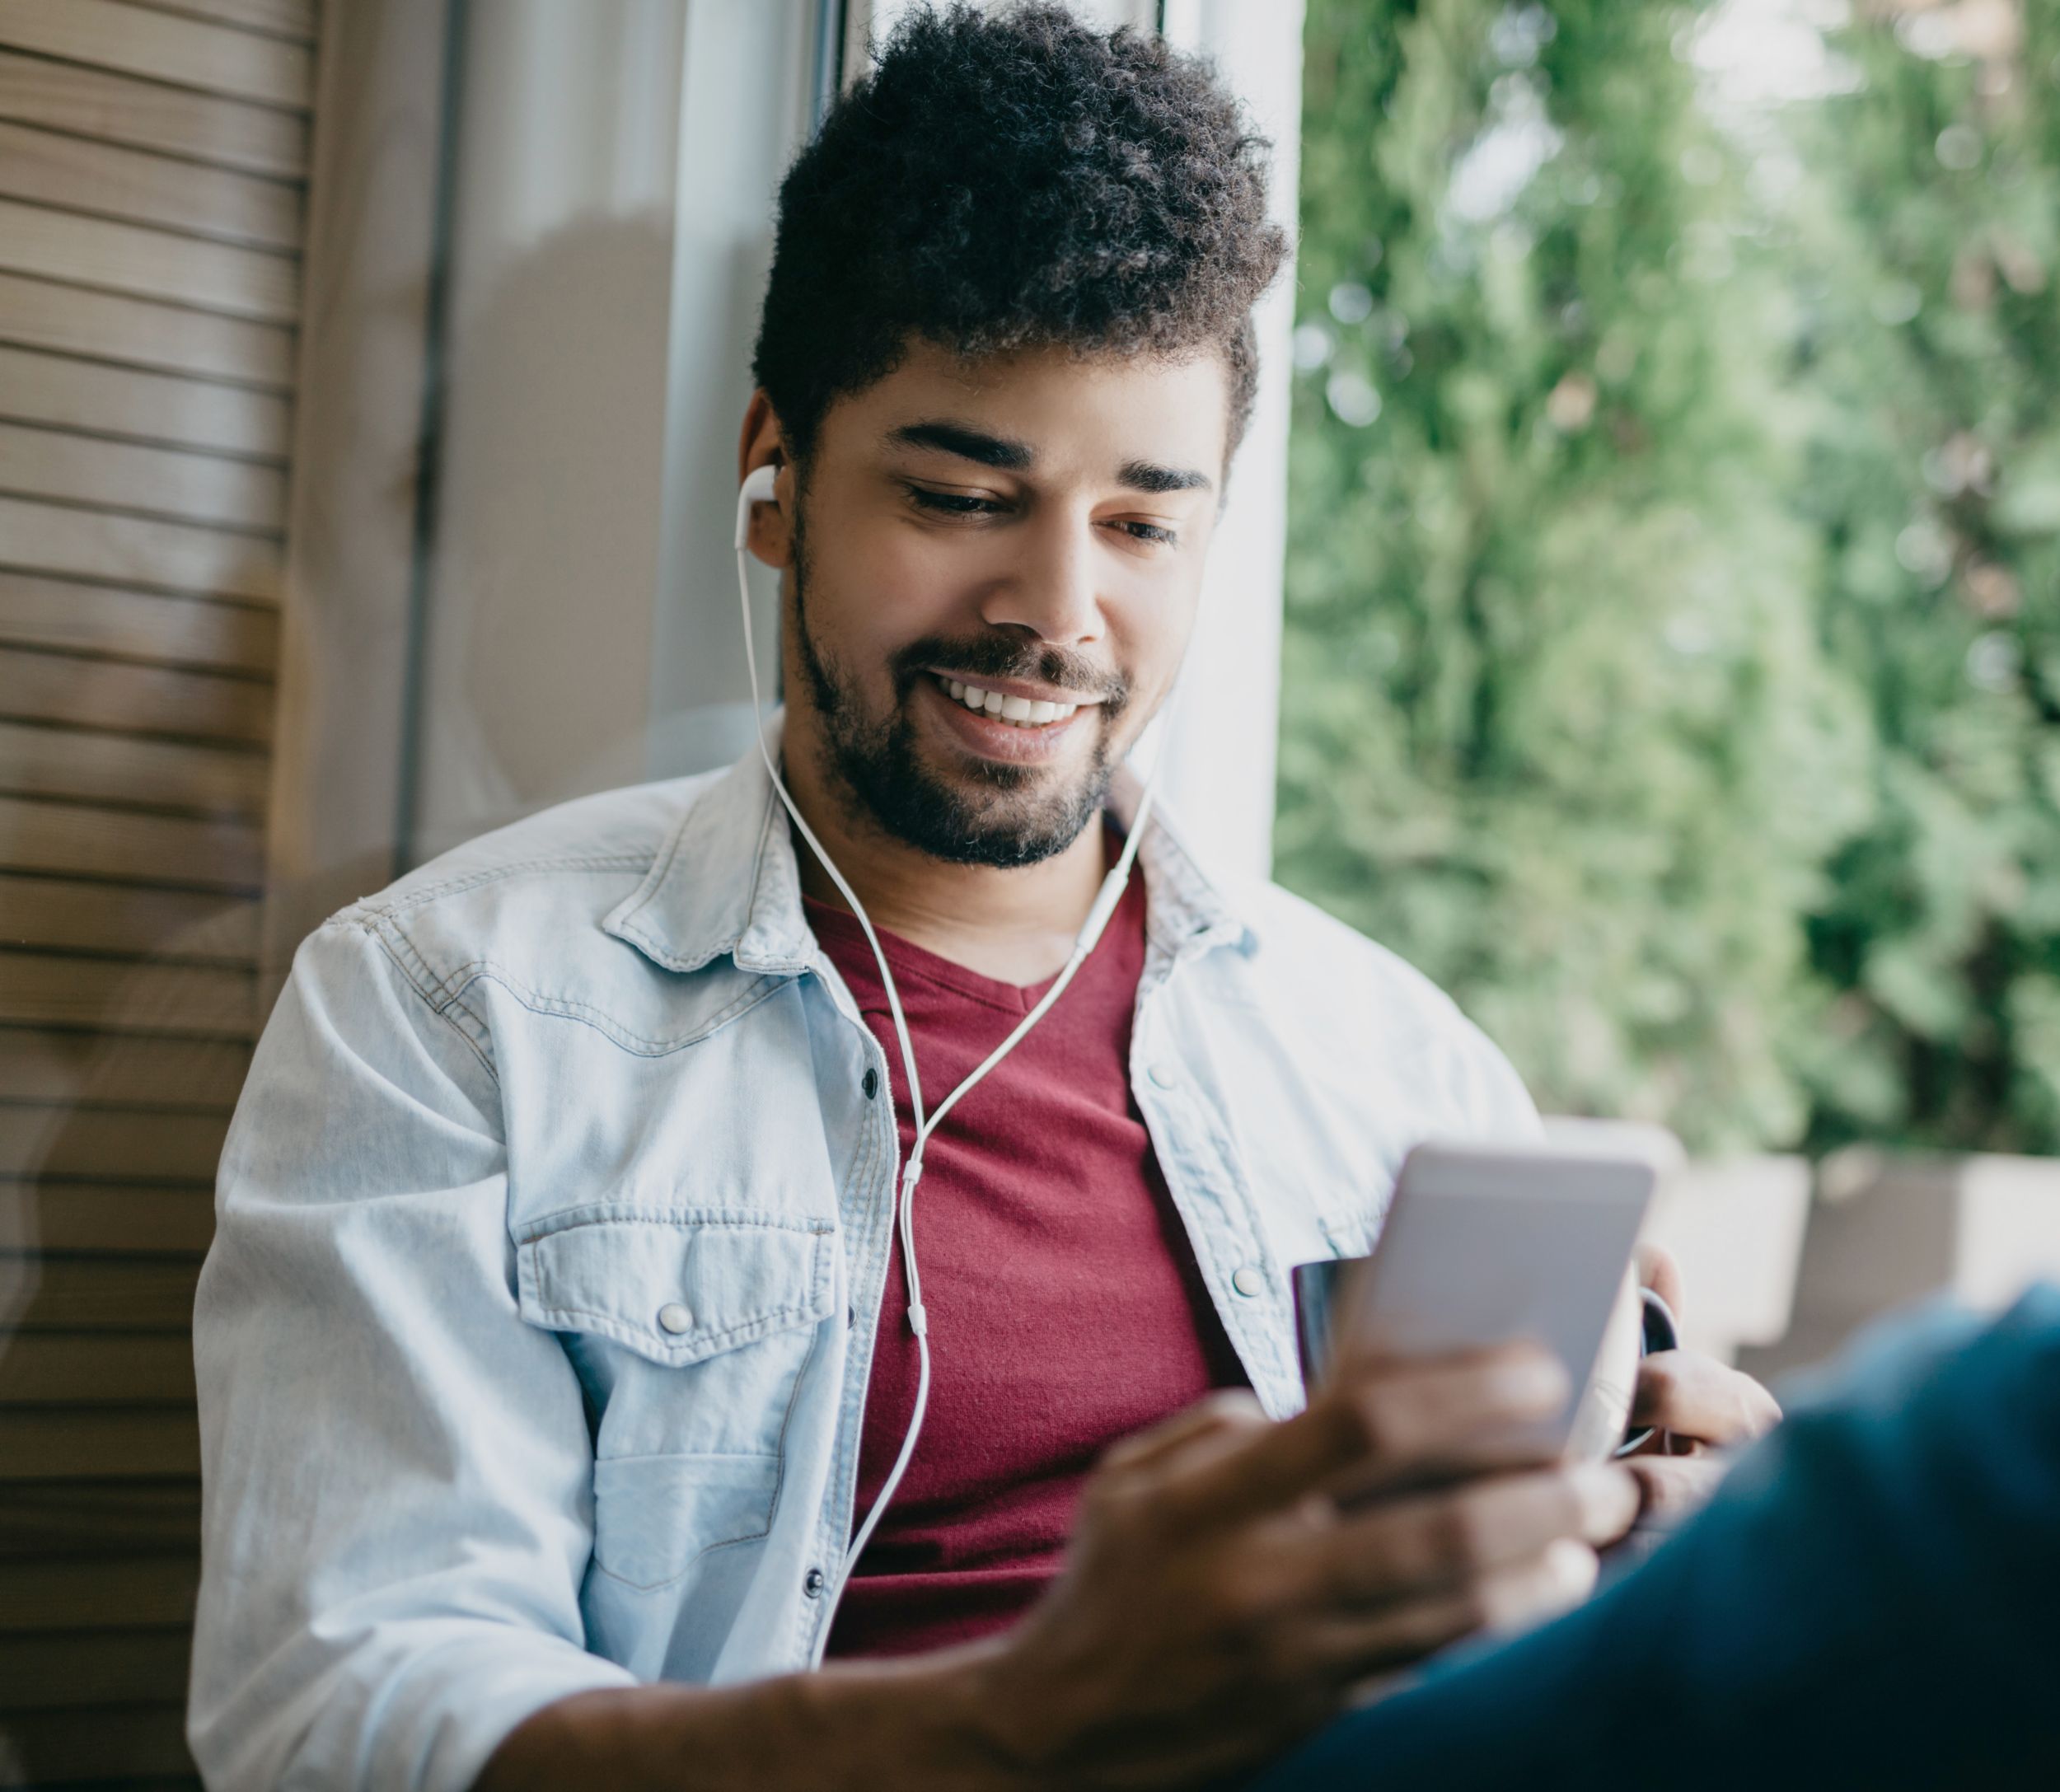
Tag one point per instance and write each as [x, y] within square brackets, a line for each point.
[397, 1508]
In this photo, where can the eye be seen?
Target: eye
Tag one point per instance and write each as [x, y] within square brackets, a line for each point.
[1158, 533]
[951, 503]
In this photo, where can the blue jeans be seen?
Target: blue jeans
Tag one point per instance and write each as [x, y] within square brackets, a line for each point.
[1872, 1600]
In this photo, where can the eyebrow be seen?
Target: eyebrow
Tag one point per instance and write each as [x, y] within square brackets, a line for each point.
[1010, 456]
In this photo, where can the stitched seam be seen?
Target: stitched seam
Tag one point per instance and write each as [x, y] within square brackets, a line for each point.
[390, 907]
[793, 1397]
[450, 990]
[439, 990]
[680, 1574]
[779, 1474]
[698, 1456]
[843, 1472]
[654, 881]
[476, 1047]
[706, 1549]
[758, 859]
[1241, 1186]
[603, 1213]
[692, 1347]
[564, 1008]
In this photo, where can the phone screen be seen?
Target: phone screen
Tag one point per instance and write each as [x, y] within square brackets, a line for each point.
[1484, 1245]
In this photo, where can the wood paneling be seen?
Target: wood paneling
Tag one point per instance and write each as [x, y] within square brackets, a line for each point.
[188, 53]
[170, 631]
[87, 395]
[88, 1219]
[89, 1749]
[54, 1517]
[126, 1592]
[48, 1443]
[193, 128]
[137, 332]
[94, 1294]
[122, 1070]
[35, 314]
[138, 187]
[62, 914]
[132, 771]
[61, 989]
[93, 1369]
[49, 244]
[80, 842]
[152, 157]
[148, 699]
[108, 1145]
[294, 19]
[38, 537]
[123, 475]
[54, 1671]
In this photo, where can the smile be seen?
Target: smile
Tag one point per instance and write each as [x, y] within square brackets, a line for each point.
[1019, 712]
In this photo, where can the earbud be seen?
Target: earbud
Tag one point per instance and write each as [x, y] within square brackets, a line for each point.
[757, 490]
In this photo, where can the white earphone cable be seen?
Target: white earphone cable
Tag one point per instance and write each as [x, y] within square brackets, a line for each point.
[759, 489]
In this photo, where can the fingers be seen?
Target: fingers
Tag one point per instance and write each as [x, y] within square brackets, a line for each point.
[1659, 1272]
[1435, 1541]
[1674, 1488]
[1557, 1577]
[1230, 1411]
[1696, 1396]
[1381, 1424]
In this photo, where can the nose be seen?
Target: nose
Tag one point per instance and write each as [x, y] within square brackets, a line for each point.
[1051, 591]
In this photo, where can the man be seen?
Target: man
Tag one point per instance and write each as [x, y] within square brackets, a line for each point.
[554, 1341]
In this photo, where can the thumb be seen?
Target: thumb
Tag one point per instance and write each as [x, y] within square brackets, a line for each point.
[1659, 1272]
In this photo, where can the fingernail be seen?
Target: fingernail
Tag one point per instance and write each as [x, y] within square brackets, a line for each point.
[1573, 1568]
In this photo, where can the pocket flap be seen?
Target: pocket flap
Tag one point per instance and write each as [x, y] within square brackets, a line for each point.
[674, 1284]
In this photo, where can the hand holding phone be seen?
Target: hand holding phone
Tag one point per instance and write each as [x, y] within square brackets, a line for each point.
[1483, 1244]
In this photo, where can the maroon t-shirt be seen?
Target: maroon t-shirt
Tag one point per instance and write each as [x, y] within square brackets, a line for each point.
[1065, 1308]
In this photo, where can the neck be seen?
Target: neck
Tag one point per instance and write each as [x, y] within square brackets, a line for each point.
[1016, 924]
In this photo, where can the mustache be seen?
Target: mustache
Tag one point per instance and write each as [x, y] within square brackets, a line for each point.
[998, 656]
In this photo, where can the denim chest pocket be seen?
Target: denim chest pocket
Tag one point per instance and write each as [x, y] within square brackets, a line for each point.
[692, 1328]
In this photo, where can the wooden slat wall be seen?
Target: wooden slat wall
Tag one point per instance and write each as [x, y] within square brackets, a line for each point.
[154, 155]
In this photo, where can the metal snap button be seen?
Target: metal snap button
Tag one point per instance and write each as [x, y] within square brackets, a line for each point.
[814, 1584]
[1248, 1282]
[871, 1084]
[675, 1318]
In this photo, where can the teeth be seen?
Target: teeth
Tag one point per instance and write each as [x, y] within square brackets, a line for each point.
[1024, 711]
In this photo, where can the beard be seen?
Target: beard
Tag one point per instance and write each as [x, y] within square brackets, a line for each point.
[996, 814]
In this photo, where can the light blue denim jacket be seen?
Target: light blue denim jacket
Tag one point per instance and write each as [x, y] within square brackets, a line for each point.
[594, 1069]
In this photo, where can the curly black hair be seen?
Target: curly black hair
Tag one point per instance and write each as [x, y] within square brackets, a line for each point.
[1015, 179]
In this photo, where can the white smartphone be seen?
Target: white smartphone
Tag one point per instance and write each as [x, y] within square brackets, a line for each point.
[1485, 1243]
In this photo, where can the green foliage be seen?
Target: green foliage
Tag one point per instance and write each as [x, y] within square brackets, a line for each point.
[1551, 662]
[1929, 347]
[1671, 654]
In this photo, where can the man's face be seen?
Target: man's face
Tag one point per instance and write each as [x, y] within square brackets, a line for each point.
[1026, 533]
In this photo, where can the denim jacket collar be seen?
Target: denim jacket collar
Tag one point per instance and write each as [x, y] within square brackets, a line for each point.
[727, 882]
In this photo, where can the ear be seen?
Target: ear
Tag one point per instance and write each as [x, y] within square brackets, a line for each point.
[760, 443]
